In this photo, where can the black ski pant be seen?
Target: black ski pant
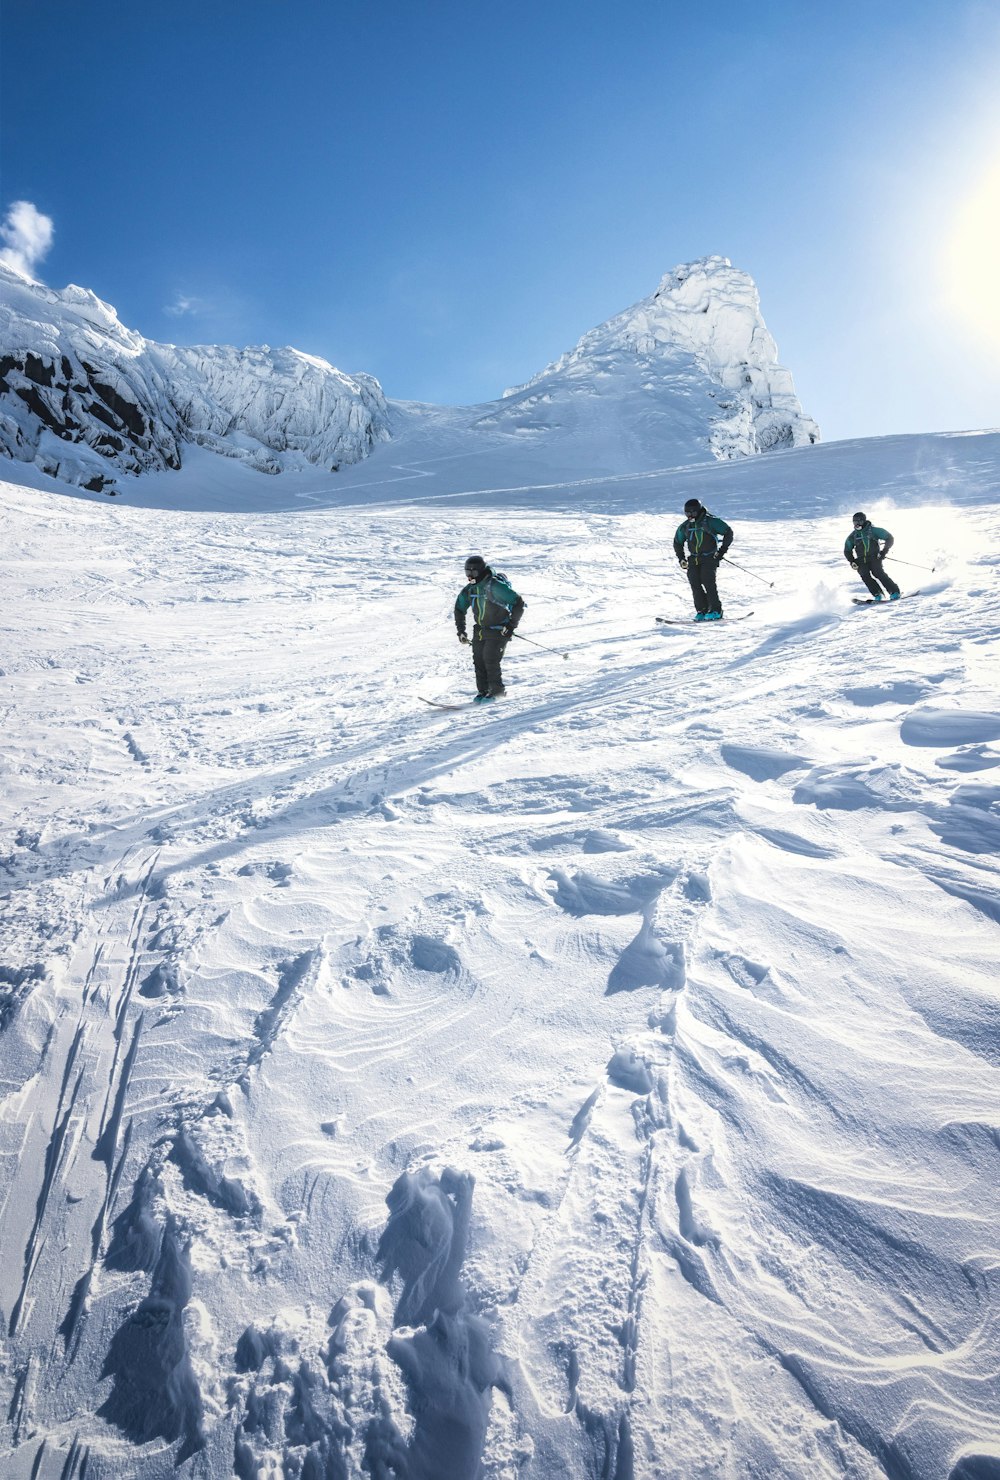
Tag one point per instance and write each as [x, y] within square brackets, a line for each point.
[701, 574]
[487, 650]
[871, 573]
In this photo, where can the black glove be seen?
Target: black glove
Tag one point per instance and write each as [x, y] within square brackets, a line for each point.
[506, 633]
[462, 637]
[719, 558]
[682, 562]
[853, 564]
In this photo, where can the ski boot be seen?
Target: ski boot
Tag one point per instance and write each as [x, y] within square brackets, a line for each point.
[895, 595]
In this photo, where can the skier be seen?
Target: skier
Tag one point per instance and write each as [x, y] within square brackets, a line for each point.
[700, 532]
[496, 611]
[862, 552]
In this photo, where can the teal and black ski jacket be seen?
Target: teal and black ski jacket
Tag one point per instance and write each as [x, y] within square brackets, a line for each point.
[494, 604]
[862, 544]
[702, 537]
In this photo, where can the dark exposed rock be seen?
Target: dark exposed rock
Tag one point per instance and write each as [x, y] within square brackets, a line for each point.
[37, 405]
[38, 370]
[129, 414]
[95, 408]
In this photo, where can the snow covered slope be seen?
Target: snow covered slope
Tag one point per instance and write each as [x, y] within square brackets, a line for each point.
[85, 399]
[605, 1083]
[687, 375]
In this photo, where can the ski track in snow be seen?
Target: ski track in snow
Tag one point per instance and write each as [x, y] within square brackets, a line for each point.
[605, 1083]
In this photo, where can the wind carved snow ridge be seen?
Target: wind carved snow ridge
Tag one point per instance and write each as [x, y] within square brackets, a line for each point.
[201, 1171]
[96, 1072]
[155, 1392]
[53, 1162]
[163, 1400]
[106, 1150]
[294, 978]
[622, 1139]
[404, 1383]
[86, 400]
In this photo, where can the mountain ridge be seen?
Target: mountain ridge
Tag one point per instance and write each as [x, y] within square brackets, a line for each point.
[689, 374]
[86, 399]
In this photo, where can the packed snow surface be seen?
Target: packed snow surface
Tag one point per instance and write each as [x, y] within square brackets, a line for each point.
[601, 1083]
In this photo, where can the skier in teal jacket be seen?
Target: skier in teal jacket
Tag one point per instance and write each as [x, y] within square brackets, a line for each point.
[861, 551]
[701, 532]
[496, 610]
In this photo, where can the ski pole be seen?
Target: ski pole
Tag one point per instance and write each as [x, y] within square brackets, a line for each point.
[748, 572]
[540, 645]
[931, 568]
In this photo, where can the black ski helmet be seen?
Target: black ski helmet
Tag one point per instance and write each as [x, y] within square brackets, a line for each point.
[693, 508]
[859, 520]
[475, 567]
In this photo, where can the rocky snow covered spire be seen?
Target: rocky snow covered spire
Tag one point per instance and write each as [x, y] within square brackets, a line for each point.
[707, 312]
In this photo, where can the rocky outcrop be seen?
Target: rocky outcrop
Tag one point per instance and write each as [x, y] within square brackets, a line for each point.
[87, 400]
[704, 317]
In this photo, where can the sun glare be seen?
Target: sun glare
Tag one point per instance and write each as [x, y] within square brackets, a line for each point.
[972, 260]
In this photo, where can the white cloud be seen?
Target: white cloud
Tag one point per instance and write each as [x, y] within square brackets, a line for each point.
[182, 305]
[27, 236]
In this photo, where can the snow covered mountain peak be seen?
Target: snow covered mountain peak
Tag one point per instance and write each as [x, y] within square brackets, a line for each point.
[86, 399]
[705, 315]
[687, 375]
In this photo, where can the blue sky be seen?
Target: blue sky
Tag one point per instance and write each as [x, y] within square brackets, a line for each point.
[448, 193]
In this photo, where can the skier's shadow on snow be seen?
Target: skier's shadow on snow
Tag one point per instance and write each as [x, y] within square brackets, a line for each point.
[365, 792]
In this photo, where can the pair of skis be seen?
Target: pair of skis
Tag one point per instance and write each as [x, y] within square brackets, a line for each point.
[870, 600]
[689, 621]
[449, 703]
[857, 600]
